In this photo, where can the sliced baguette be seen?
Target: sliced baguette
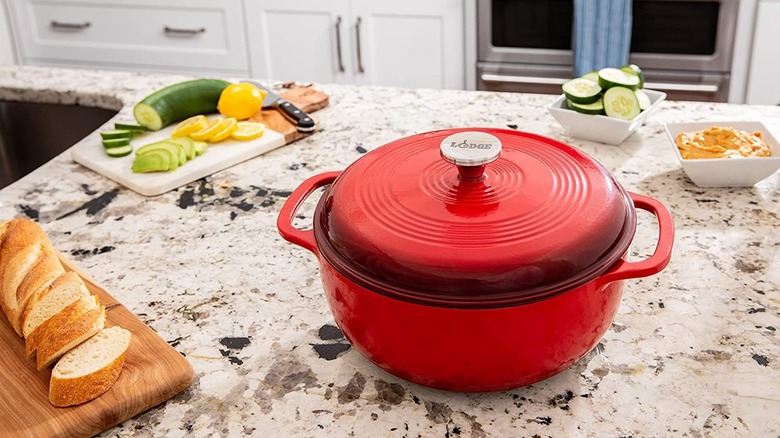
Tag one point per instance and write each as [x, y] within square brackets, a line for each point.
[90, 369]
[63, 291]
[58, 342]
[22, 243]
[54, 324]
[13, 269]
[42, 274]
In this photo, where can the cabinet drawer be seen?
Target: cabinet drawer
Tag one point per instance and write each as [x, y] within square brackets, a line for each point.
[196, 33]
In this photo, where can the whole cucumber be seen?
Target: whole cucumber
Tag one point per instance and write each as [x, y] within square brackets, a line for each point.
[178, 102]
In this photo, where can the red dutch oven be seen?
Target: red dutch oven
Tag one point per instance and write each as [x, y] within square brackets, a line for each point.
[474, 259]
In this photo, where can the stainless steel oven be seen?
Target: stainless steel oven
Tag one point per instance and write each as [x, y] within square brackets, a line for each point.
[685, 47]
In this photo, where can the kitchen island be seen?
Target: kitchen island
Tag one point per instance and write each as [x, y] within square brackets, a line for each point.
[694, 351]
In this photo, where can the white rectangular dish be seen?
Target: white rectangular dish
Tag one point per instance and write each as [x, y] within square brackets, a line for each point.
[727, 172]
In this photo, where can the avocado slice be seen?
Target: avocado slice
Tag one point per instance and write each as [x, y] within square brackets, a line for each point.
[200, 147]
[178, 156]
[158, 160]
[187, 143]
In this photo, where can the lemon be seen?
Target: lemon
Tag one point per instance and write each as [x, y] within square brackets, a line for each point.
[241, 100]
[187, 127]
[211, 128]
[226, 127]
[248, 131]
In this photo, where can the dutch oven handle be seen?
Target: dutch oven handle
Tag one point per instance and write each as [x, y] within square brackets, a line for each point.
[663, 251]
[302, 238]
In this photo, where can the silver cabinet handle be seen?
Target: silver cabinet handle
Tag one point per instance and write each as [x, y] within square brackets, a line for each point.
[487, 77]
[338, 43]
[706, 88]
[188, 32]
[70, 26]
[357, 40]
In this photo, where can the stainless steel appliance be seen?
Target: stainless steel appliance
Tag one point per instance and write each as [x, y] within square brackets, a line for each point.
[685, 47]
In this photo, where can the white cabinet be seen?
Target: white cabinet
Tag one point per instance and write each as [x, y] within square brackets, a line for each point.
[764, 76]
[196, 37]
[7, 56]
[406, 43]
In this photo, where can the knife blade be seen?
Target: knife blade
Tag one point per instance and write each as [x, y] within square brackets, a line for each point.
[301, 120]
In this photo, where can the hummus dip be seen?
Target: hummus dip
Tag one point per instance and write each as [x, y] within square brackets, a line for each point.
[721, 142]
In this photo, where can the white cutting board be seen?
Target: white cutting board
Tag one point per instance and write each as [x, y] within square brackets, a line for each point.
[91, 154]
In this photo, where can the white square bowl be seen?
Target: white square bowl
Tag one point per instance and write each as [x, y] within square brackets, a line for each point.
[727, 172]
[602, 129]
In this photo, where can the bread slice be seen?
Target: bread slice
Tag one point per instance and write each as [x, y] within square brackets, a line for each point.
[14, 266]
[90, 369]
[42, 274]
[58, 342]
[22, 243]
[64, 317]
[64, 290]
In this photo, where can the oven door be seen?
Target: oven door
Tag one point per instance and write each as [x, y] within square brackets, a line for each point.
[666, 34]
[520, 78]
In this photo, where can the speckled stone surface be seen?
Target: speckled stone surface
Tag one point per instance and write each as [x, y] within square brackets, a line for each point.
[694, 351]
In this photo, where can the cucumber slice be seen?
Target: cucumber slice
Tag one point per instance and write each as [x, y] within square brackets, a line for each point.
[155, 161]
[593, 76]
[582, 90]
[116, 133]
[621, 102]
[129, 127]
[613, 77]
[178, 102]
[644, 99]
[119, 151]
[633, 68]
[116, 142]
[593, 108]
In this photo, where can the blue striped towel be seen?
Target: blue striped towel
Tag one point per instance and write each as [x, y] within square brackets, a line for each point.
[601, 34]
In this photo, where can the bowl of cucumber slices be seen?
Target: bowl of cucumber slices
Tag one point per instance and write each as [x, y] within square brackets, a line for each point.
[606, 106]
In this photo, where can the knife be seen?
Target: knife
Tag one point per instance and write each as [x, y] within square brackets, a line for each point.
[300, 119]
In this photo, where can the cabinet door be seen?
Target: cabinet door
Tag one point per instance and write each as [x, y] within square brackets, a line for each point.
[408, 43]
[303, 41]
[6, 41]
[763, 83]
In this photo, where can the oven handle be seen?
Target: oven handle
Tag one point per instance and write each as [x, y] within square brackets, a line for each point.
[667, 86]
[488, 77]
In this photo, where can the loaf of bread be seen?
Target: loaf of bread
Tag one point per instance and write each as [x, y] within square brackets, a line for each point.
[90, 369]
[57, 315]
[23, 245]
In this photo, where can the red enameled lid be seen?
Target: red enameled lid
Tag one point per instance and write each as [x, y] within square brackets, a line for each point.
[474, 217]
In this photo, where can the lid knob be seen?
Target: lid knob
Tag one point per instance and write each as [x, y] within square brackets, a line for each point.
[471, 151]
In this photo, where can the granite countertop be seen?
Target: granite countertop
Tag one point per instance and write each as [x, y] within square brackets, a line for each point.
[693, 351]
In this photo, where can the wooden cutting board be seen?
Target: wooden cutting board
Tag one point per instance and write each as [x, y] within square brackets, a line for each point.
[153, 373]
[219, 156]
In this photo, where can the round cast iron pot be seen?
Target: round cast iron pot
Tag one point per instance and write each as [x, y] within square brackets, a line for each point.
[474, 259]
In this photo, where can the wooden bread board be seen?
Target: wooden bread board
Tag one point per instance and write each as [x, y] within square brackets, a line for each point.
[279, 132]
[153, 373]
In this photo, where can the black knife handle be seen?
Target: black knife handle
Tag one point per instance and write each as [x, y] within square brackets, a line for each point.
[302, 121]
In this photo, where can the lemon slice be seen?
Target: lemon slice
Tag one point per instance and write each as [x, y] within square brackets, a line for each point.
[226, 127]
[187, 127]
[248, 131]
[211, 128]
